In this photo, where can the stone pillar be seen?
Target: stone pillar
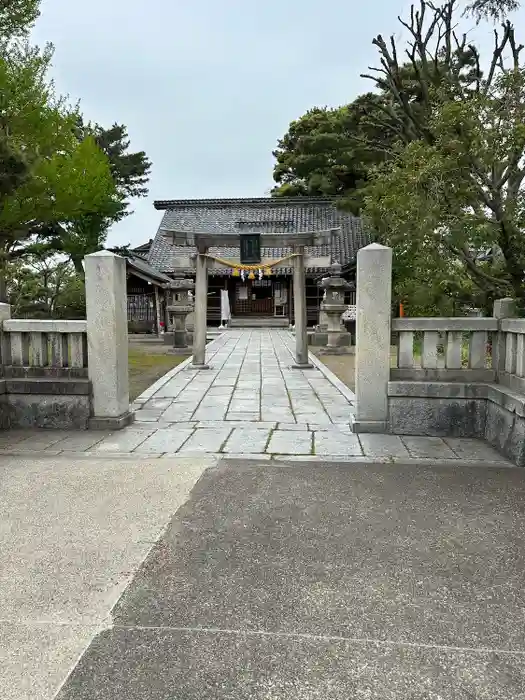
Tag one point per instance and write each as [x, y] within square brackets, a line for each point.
[503, 308]
[5, 311]
[372, 365]
[201, 312]
[107, 337]
[299, 294]
[5, 315]
[157, 311]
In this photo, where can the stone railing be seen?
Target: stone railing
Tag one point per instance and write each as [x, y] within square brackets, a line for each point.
[444, 349]
[448, 377]
[44, 348]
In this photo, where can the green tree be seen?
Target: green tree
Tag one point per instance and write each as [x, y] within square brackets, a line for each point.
[328, 151]
[64, 178]
[17, 18]
[130, 173]
[492, 9]
[452, 198]
[45, 287]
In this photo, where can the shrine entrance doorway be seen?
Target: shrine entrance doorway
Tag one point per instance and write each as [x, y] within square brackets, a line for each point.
[254, 297]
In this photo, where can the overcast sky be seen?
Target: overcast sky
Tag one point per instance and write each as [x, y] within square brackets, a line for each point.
[206, 87]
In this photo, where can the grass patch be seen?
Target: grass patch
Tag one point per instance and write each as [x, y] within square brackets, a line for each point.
[146, 365]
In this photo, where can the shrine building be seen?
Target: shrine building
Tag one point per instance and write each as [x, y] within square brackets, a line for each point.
[259, 279]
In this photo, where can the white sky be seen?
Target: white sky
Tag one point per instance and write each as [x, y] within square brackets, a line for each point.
[207, 87]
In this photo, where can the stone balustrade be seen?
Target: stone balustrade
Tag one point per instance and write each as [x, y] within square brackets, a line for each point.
[44, 347]
[444, 349]
[461, 377]
[74, 373]
[44, 378]
[448, 377]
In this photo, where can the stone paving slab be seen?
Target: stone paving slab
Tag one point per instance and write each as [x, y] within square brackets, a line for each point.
[81, 441]
[165, 440]
[429, 447]
[247, 440]
[206, 440]
[383, 446]
[466, 448]
[247, 417]
[284, 439]
[124, 440]
[291, 443]
[336, 442]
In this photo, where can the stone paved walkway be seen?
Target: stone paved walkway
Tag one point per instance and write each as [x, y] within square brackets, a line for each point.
[251, 403]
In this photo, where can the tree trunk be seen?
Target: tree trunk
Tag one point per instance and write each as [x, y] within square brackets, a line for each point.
[77, 262]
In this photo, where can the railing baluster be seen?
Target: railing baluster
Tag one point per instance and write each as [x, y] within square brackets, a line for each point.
[520, 355]
[56, 349]
[76, 350]
[405, 350]
[510, 353]
[454, 345]
[430, 350]
[478, 350]
[17, 354]
[38, 349]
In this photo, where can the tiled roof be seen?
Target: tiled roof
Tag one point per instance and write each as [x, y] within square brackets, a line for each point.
[137, 263]
[279, 215]
[144, 248]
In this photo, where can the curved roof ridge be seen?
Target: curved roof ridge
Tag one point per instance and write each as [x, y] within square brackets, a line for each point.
[160, 204]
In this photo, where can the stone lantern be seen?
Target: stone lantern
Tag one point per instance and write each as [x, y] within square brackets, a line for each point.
[181, 304]
[332, 307]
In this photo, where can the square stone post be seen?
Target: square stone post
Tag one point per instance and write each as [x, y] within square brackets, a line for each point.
[201, 312]
[299, 298]
[5, 315]
[503, 308]
[157, 311]
[372, 366]
[107, 337]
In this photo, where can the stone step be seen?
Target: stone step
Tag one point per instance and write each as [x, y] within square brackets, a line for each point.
[259, 322]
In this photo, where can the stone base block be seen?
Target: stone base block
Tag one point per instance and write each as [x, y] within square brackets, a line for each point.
[5, 423]
[199, 367]
[306, 365]
[341, 350]
[167, 338]
[320, 339]
[183, 352]
[505, 431]
[56, 412]
[48, 386]
[368, 426]
[437, 417]
[110, 422]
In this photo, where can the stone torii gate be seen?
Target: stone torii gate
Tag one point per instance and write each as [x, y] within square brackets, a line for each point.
[203, 262]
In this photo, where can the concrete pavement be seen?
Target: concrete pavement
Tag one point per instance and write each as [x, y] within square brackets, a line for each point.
[325, 581]
[72, 533]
